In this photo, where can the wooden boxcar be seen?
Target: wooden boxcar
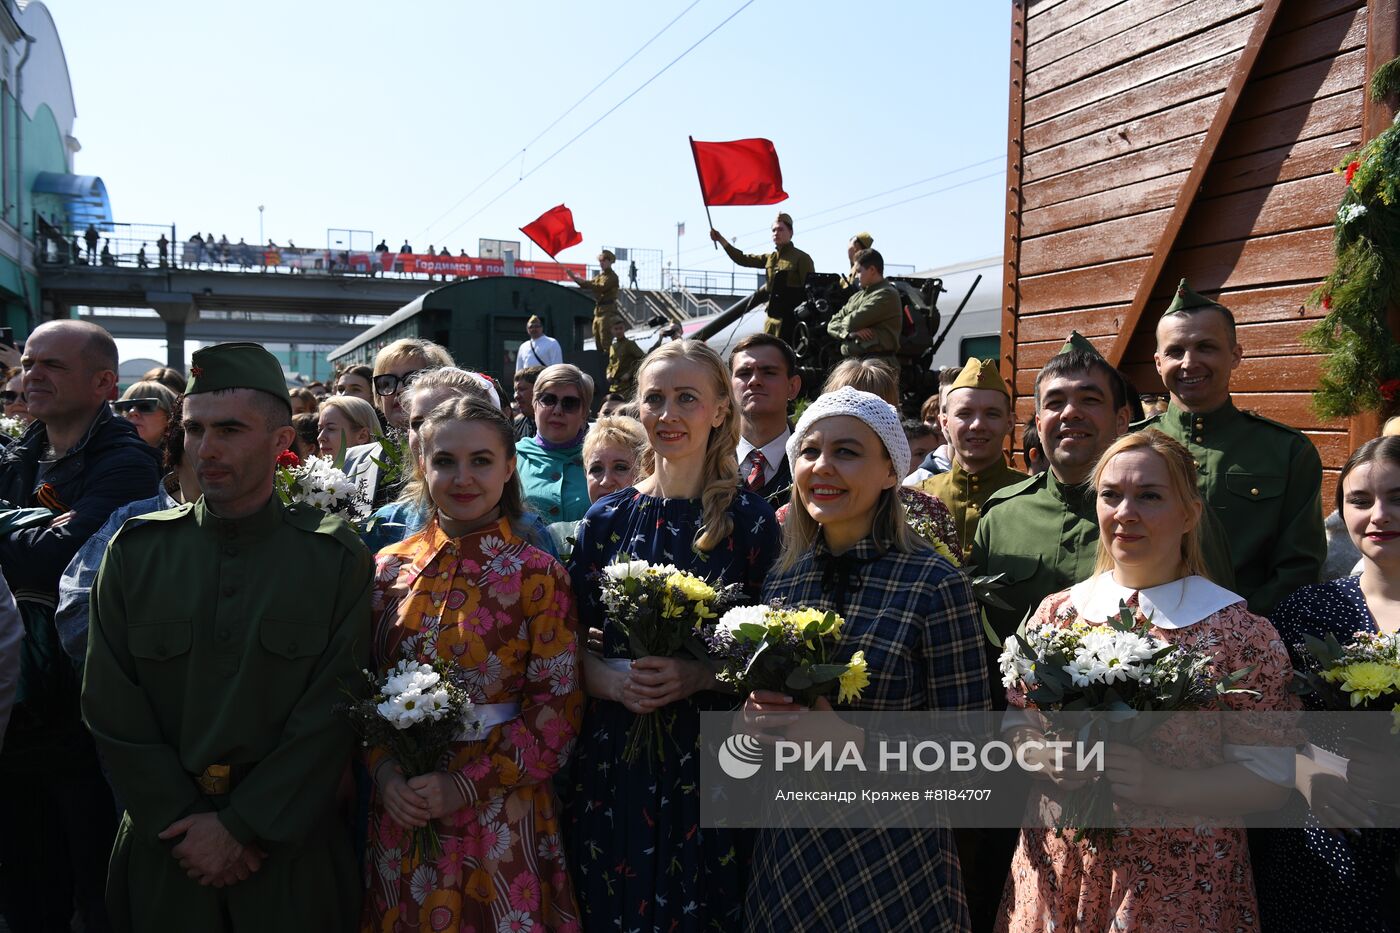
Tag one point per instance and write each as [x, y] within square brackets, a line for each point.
[1155, 139]
[482, 322]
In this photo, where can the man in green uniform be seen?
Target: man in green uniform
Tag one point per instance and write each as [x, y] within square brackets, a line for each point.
[603, 287]
[858, 242]
[624, 356]
[223, 636]
[976, 419]
[869, 323]
[1262, 479]
[786, 268]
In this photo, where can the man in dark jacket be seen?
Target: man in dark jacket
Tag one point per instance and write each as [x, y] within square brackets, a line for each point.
[80, 462]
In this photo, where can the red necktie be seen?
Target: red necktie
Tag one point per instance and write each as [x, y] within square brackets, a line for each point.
[755, 478]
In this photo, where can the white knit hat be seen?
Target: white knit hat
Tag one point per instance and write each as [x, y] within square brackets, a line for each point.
[878, 414]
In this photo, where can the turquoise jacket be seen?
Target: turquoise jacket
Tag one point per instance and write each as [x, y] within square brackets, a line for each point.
[554, 481]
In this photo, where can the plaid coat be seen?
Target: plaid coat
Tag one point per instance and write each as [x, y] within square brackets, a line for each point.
[915, 618]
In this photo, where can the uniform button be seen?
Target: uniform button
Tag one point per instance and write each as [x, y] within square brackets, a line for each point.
[1254, 492]
[1199, 439]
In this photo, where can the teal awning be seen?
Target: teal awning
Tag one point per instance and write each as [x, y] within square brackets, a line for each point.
[84, 198]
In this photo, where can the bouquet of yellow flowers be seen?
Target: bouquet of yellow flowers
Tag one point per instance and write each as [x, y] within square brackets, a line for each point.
[661, 611]
[1363, 675]
[788, 651]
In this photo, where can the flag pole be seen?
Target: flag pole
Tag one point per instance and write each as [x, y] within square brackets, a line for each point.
[701, 180]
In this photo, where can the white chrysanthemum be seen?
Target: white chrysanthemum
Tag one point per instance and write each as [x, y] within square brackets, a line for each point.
[741, 615]
[626, 568]
[1351, 212]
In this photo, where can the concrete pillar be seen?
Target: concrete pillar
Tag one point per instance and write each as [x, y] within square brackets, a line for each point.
[177, 310]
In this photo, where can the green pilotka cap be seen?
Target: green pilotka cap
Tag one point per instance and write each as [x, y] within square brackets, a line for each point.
[237, 366]
[1188, 300]
[1078, 341]
[980, 374]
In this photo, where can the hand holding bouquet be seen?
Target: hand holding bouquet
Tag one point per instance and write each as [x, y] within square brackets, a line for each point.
[415, 712]
[661, 611]
[1118, 668]
[786, 651]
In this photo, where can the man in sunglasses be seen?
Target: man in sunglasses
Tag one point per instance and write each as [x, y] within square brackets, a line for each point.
[394, 367]
[80, 462]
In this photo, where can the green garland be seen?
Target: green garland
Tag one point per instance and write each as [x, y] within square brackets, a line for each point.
[1362, 368]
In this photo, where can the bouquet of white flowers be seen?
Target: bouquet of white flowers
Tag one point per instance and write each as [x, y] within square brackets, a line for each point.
[415, 712]
[1118, 668]
[788, 651]
[661, 611]
[11, 427]
[320, 483]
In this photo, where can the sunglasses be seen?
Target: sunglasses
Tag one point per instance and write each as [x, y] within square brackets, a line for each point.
[9, 398]
[569, 403]
[388, 383]
[146, 406]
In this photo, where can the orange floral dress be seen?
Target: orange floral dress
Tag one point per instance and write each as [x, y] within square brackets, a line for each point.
[1154, 880]
[502, 612]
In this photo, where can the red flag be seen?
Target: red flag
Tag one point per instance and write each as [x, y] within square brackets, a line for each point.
[553, 230]
[744, 171]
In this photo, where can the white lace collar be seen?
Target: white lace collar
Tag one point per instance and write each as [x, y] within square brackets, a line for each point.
[1171, 605]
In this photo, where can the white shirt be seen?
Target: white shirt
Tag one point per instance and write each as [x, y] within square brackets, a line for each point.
[1168, 606]
[773, 453]
[545, 352]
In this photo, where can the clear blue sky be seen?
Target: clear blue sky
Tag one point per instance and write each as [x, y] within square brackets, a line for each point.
[381, 117]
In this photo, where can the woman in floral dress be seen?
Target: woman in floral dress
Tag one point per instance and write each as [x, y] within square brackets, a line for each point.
[847, 548]
[1197, 878]
[635, 844]
[470, 591]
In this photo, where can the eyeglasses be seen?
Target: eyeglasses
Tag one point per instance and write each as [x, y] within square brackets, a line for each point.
[569, 403]
[388, 383]
[146, 406]
[9, 398]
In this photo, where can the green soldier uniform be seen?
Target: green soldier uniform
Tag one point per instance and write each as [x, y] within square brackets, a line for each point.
[218, 653]
[877, 307]
[787, 269]
[604, 287]
[966, 493]
[1263, 481]
[624, 357]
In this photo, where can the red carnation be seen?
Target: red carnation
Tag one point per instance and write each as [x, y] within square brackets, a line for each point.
[1327, 302]
[1389, 388]
[288, 459]
[1351, 170]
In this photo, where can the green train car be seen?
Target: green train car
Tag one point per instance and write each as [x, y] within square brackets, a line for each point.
[482, 323]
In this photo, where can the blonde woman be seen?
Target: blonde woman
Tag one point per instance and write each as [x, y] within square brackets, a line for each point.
[635, 842]
[612, 453]
[1149, 515]
[342, 422]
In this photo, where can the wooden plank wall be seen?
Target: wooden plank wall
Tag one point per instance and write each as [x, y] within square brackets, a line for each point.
[1118, 95]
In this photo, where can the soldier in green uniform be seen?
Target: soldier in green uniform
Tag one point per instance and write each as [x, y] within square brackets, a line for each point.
[786, 268]
[223, 636]
[869, 323]
[624, 356]
[604, 287]
[858, 242]
[976, 419]
[1262, 479]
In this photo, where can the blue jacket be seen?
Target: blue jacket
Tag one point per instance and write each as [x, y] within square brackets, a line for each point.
[108, 468]
[554, 482]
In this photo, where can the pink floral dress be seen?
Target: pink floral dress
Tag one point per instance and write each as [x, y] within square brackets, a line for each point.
[502, 612]
[1156, 879]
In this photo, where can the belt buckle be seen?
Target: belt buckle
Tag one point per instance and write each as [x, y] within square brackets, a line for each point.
[216, 780]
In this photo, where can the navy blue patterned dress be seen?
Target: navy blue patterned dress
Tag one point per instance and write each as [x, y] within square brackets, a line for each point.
[640, 859]
[1309, 879]
[915, 618]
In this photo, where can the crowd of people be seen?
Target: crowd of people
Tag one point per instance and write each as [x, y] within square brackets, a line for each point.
[177, 757]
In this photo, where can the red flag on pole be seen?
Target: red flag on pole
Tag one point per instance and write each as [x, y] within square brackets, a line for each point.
[743, 171]
[553, 230]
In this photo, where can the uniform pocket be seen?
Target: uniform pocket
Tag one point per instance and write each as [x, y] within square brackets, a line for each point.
[160, 641]
[289, 639]
[1255, 486]
[1017, 568]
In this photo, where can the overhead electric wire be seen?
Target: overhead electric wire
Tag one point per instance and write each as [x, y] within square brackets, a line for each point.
[601, 118]
[538, 136]
[869, 197]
